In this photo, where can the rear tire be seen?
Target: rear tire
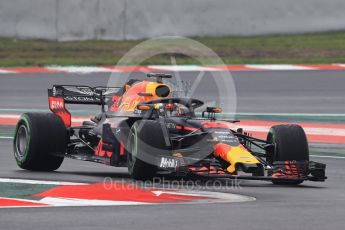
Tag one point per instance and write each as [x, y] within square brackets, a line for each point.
[291, 144]
[145, 142]
[39, 138]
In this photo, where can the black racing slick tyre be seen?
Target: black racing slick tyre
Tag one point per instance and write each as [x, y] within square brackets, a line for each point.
[290, 145]
[145, 142]
[39, 139]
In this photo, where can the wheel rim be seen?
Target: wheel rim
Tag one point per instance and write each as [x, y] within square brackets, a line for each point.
[21, 142]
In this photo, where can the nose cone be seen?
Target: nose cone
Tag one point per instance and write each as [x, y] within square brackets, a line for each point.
[234, 155]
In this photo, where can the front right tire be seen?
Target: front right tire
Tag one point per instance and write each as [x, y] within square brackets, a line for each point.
[290, 145]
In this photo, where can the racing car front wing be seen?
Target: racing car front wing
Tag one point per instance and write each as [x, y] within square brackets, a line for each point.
[279, 171]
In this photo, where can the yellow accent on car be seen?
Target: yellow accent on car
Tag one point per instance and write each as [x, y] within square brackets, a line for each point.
[152, 86]
[177, 155]
[144, 107]
[239, 155]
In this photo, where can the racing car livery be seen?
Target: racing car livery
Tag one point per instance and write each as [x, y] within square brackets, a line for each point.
[143, 127]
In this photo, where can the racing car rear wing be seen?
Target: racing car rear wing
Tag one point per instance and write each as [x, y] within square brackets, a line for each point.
[59, 95]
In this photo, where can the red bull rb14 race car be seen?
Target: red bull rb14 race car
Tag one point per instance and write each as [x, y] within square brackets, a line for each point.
[142, 127]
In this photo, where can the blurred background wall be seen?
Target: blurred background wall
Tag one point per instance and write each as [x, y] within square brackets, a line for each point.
[133, 19]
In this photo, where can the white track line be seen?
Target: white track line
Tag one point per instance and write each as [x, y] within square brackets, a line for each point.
[332, 157]
[78, 69]
[341, 65]
[6, 71]
[280, 67]
[3, 137]
[182, 68]
[218, 197]
[57, 201]
[24, 181]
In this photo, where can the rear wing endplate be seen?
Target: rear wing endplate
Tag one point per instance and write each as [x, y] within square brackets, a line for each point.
[60, 95]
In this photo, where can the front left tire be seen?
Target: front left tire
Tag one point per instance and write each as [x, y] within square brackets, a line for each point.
[146, 141]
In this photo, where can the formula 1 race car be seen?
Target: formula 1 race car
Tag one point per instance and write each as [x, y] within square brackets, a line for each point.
[144, 128]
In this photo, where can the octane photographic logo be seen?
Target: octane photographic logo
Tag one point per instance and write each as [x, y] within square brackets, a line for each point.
[212, 86]
[170, 184]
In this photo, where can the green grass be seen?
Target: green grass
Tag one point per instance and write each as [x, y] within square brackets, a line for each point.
[292, 49]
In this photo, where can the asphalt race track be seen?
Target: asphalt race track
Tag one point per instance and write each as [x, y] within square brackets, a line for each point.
[309, 206]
